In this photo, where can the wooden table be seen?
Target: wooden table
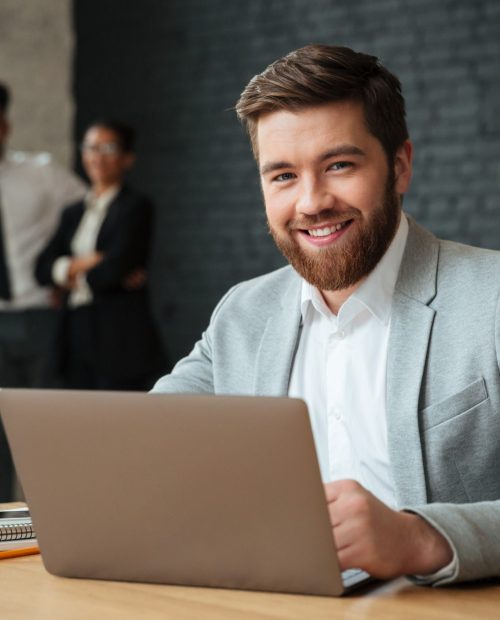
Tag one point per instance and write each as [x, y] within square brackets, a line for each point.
[27, 592]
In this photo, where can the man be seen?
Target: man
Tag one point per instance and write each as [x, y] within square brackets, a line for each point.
[33, 192]
[390, 335]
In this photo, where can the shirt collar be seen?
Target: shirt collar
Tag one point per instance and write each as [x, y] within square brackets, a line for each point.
[101, 202]
[376, 291]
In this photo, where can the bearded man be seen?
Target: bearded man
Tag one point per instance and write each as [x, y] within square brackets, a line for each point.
[390, 335]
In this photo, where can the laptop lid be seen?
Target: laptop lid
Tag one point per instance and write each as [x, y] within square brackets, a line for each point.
[196, 490]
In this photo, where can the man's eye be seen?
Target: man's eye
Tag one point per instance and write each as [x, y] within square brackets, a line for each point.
[284, 176]
[340, 165]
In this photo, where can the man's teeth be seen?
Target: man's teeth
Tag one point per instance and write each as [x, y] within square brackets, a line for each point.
[329, 230]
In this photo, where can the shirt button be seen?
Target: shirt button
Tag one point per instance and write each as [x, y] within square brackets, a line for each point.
[341, 333]
[337, 413]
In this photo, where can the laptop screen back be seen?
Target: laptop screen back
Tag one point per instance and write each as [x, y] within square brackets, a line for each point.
[198, 490]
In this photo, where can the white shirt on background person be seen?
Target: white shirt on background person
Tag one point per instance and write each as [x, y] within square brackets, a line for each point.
[33, 192]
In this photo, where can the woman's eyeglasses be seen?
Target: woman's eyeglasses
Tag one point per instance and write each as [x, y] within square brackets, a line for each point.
[106, 148]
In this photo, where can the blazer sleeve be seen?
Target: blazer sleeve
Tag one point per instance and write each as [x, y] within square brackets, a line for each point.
[249, 344]
[58, 245]
[473, 530]
[124, 239]
[194, 374]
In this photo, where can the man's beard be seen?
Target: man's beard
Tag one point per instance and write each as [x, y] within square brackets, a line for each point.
[344, 263]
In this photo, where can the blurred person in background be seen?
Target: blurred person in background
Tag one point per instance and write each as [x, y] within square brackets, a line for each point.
[33, 192]
[98, 259]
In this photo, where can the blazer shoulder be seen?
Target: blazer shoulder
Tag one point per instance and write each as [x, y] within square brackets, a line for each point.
[263, 294]
[133, 197]
[469, 253]
[73, 211]
[469, 263]
[467, 283]
[431, 265]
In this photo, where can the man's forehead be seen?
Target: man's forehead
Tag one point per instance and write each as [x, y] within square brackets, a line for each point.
[345, 107]
[320, 128]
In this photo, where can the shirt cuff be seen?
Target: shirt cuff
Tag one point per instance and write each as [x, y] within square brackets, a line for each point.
[81, 295]
[60, 270]
[443, 575]
[83, 286]
[448, 573]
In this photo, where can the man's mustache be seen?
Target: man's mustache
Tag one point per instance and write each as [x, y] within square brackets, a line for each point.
[323, 217]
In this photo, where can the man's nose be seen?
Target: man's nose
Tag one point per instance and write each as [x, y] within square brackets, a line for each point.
[314, 197]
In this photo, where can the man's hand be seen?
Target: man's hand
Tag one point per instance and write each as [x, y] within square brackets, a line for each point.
[379, 540]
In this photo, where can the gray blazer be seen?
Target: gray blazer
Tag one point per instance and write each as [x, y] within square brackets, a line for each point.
[443, 383]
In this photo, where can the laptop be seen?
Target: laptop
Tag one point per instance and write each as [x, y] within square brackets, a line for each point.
[196, 490]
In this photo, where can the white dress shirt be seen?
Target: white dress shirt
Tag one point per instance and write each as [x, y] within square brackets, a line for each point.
[340, 372]
[33, 192]
[84, 243]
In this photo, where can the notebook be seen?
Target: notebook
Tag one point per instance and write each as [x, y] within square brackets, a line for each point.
[17, 536]
[197, 490]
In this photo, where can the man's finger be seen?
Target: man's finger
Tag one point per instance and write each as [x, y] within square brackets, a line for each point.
[332, 491]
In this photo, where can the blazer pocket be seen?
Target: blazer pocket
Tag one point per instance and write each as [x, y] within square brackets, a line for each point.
[468, 398]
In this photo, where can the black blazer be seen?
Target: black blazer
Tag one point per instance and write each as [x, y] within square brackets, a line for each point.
[126, 341]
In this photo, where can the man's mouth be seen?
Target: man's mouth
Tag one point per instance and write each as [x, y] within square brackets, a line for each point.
[323, 235]
[327, 230]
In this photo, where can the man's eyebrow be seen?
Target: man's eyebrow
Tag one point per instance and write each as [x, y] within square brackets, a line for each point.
[274, 165]
[341, 149]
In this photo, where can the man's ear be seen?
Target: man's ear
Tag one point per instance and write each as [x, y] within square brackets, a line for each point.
[403, 167]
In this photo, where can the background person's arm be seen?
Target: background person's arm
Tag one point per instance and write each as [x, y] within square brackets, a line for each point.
[128, 233]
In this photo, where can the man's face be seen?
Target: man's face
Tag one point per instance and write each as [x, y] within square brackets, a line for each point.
[104, 161]
[332, 202]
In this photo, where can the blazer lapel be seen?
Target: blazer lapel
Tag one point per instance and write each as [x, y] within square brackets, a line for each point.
[279, 344]
[111, 220]
[411, 326]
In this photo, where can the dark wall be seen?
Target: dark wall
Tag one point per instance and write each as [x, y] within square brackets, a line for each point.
[174, 68]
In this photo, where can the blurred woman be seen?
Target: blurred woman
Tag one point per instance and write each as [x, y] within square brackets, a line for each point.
[98, 258]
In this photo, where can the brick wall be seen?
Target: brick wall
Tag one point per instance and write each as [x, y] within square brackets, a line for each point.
[175, 69]
[35, 61]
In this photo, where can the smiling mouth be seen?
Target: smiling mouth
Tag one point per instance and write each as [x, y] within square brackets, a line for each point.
[327, 230]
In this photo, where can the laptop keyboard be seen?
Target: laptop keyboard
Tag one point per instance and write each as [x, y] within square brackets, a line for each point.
[353, 576]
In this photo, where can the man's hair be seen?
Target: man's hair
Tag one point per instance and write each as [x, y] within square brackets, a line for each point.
[4, 98]
[321, 74]
[125, 134]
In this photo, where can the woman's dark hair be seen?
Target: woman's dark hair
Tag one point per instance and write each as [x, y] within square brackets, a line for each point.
[125, 134]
